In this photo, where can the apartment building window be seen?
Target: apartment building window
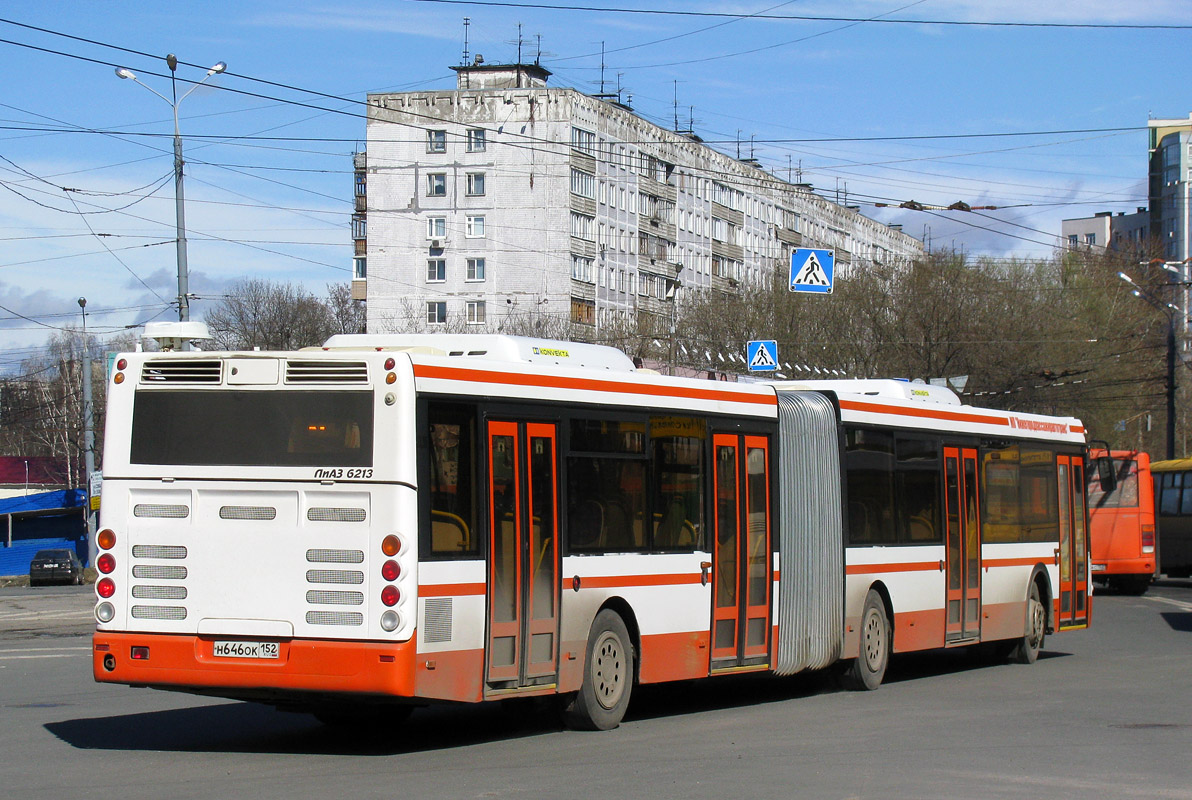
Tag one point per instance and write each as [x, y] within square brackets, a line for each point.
[436, 270]
[1090, 239]
[477, 142]
[1073, 240]
[583, 183]
[359, 226]
[719, 229]
[475, 184]
[436, 227]
[361, 184]
[436, 141]
[475, 270]
[581, 225]
[604, 193]
[436, 312]
[583, 311]
[475, 226]
[359, 268]
[581, 268]
[476, 312]
[584, 141]
[436, 184]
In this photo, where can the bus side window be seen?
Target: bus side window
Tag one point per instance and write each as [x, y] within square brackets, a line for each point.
[453, 483]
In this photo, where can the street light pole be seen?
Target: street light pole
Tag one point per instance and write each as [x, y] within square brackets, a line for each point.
[179, 198]
[1170, 310]
[88, 428]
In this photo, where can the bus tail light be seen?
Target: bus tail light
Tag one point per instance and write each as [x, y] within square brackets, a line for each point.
[390, 595]
[139, 653]
[105, 587]
[106, 563]
[390, 570]
[106, 539]
[390, 620]
[391, 545]
[1148, 538]
[105, 612]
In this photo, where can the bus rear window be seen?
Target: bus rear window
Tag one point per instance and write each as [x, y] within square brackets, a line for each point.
[1126, 493]
[253, 428]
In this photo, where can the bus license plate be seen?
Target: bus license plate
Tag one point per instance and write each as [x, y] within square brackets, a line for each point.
[242, 649]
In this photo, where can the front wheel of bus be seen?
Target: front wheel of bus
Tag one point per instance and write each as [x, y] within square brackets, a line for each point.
[867, 671]
[608, 676]
[1027, 649]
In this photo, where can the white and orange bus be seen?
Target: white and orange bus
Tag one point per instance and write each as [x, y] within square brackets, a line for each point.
[1122, 523]
[391, 521]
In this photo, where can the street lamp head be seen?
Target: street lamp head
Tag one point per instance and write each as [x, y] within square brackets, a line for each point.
[172, 62]
[1126, 278]
[124, 72]
[218, 68]
[82, 302]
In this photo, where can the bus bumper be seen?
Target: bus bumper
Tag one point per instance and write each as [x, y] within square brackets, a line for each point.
[187, 662]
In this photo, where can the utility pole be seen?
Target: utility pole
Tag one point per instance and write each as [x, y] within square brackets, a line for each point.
[88, 435]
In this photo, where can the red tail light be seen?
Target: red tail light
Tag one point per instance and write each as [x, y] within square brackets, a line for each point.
[106, 587]
[1148, 538]
[105, 563]
[390, 570]
[390, 595]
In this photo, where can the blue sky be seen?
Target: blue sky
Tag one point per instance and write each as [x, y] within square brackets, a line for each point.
[85, 153]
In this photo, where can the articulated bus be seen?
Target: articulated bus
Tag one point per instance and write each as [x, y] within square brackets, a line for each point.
[1122, 523]
[393, 521]
[1173, 523]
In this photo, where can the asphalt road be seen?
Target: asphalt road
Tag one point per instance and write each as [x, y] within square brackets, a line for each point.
[1103, 714]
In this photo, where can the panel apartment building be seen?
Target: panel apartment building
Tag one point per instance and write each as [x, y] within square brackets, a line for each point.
[507, 199]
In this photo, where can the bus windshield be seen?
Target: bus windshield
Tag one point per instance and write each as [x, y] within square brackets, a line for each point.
[253, 428]
[1125, 495]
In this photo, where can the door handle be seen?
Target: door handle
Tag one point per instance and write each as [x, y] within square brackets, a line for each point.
[1057, 556]
[941, 565]
[705, 569]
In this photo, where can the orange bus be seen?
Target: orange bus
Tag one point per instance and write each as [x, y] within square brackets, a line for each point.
[1122, 524]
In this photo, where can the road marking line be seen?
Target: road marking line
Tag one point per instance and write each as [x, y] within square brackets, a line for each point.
[1180, 604]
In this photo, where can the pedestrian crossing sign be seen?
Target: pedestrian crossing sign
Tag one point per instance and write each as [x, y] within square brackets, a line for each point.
[812, 270]
[762, 355]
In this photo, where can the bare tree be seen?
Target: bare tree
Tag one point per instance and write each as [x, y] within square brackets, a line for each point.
[271, 316]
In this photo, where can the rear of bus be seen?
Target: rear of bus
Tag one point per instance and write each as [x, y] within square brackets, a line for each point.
[1122, 523]
[258, 519]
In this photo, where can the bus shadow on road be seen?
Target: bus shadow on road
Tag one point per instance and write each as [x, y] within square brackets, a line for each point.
[1178, 620]
[253, 728]
[235, 727]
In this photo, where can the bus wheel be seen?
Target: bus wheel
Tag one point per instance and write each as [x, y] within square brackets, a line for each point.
[608, 677]
[867, 671]
[1027, 649]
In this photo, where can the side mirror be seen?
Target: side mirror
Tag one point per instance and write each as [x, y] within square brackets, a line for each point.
[1106, 475]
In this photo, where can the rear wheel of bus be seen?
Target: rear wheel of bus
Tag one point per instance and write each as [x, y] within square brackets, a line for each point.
[608, 676]
[869, 668]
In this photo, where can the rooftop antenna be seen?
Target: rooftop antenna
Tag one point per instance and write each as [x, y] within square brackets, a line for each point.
[799, 172]
[464, 61]
[788, 167]
[602, 69]
[676, 105]
[738, 144]
[538, 54]
[751, 138]
[691, 119]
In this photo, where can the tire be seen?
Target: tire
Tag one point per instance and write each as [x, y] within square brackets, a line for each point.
[608, 677]
[1026, 651]
[865, 673]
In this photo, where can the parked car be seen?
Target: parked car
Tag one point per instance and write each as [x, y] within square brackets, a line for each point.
[55, 566]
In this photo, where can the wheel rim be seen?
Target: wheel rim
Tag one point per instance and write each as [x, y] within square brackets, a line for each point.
[609, 669]
[875, 640]
[1035, 635]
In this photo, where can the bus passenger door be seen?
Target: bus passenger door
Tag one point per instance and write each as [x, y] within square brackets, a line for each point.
[523, 558]
[742, 564]
[1072, 553]
[963, 545]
